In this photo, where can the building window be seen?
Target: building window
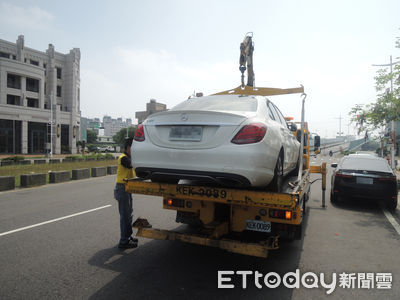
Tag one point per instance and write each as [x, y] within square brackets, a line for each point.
[46, 105]
[5, 55]
[32, 102]
[59, 70]
[32, 85]
[58, 90]
[34, 62]
[14, 57]
[44, 65]
[13, 100]
[13, 81]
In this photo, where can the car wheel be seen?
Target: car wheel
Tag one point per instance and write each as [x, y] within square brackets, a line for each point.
[392, 204]
[333, 197]
[276, 184]
[295, 171]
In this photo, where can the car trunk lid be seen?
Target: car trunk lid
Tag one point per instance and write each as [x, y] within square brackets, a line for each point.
[193, 129]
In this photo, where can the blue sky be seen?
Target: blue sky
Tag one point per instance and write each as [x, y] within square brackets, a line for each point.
[136, 50]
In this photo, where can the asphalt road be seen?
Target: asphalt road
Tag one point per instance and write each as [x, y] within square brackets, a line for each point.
[74, 256]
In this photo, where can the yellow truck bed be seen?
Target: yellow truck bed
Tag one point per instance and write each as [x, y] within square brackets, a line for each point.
[243, 205]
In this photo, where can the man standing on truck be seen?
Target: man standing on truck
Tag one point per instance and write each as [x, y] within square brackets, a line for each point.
[125, 199]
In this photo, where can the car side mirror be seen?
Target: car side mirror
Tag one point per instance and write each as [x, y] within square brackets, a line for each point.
[334, 165]
[292, 127]
[317, 141]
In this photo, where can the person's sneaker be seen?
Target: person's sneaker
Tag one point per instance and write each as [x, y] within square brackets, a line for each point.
[135, 240]
[128, 245]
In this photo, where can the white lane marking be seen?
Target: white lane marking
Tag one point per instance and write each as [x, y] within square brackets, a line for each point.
[392, 220]
[54, 220]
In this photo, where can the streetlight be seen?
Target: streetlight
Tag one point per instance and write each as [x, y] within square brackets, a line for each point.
[51, 123]
[340, 126]
[393, 145]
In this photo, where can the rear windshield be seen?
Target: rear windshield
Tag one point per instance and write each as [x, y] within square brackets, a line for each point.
[369, 164]
[219, 104]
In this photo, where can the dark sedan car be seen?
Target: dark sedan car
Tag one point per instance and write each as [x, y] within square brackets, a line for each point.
[364, 176]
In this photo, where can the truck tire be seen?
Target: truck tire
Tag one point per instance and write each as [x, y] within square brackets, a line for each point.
[298, 232]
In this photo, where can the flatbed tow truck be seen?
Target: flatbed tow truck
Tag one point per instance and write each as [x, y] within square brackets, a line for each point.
[245, 221]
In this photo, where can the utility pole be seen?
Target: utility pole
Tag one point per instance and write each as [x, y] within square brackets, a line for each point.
[393, 131]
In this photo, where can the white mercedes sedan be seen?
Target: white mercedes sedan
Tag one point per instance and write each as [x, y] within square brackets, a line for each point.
[231, 140]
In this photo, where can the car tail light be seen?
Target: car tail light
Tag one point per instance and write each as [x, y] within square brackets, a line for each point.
[343, 175]
[388, 179]
[252, 133]
[139, 134]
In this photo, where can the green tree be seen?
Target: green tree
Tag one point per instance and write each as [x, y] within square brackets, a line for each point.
[120, 137]
[386, 108]
[91, 136]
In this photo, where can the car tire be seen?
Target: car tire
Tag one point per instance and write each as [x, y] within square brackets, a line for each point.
[392, 204]
[334, 198]
[276, 184]
[296, 169]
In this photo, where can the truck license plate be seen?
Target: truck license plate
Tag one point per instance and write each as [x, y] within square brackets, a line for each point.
[256, 225]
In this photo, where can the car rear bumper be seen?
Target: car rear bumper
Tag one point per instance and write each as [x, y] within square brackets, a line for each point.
[217, 177]
[372, 193]
[244, 164]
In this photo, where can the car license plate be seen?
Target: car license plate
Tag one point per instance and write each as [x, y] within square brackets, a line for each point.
[261, 226]
[186, 133]
[365, 180]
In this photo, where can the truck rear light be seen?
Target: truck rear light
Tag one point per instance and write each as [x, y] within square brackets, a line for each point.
[280, 214]
[174, 202]
[249, 134]
[139, 134]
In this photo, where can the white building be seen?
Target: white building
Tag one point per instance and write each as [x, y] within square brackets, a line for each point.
[28, 78]
[112, 126]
